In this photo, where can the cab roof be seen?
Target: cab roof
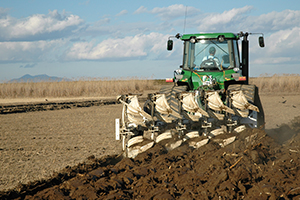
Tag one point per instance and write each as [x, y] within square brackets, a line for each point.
[210, 36]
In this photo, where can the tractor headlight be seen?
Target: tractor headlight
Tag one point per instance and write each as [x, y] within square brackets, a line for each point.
[178, 71]
[193, 40]
[221, 38]
[236, 69]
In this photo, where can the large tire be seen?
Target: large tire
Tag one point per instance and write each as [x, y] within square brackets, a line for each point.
[261, 114]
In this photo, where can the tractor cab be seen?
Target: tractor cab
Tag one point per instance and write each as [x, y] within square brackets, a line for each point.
[209, 59]
[210, 54]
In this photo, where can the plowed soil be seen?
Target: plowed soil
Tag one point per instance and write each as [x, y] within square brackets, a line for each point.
[71, 154]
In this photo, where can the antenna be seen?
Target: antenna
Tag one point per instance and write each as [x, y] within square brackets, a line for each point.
[185, 19]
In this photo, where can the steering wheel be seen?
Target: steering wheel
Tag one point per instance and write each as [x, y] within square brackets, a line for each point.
[209, 64]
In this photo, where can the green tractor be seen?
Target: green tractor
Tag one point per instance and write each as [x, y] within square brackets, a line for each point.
[210, 100]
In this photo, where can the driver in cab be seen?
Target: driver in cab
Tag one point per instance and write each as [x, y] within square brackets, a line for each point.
[211, 60]
[211, 56]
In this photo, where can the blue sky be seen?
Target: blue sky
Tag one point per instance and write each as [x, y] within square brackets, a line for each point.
[121, 39]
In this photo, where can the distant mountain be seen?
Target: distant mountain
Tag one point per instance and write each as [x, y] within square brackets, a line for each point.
[37, 78]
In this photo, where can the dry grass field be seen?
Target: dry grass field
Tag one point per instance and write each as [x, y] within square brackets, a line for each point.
[97, 88]
[80, 88]
[286, 83]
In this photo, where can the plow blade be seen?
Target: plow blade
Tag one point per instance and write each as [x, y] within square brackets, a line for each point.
[190, 135]
[162, 105]
[173, 145]
[215, 103]
[163, 110]
[242, 113]
[198, 144]
[163, 136]
[190, 105]
[225, 142]
[133, 107]
[190, 139]
[136, 145]
[240, 128]
[171, 142]
[135, 140]
[135, 113]
[216, 132]
[239, 101]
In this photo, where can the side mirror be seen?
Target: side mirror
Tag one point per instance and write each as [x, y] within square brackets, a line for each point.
[261, 41]
[170, 45]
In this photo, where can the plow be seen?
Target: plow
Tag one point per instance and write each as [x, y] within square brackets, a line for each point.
[209, 100]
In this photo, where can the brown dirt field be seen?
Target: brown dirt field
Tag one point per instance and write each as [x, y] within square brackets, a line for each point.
[35, 144]
[61, 154]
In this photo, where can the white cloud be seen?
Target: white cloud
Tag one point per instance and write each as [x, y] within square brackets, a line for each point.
[174, 11]
[30, 51]
[140, 10]
[275, 21]
[282, 47]
[38, 26]
[100, 23]
[129, 47]
[169, 13]
[123, 12]
[42, 37]
[237, 19]
[228, 20]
